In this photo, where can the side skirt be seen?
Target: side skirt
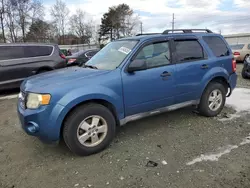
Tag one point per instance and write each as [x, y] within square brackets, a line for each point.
[157, 111]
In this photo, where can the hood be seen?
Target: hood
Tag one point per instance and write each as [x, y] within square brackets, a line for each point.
[59, 77]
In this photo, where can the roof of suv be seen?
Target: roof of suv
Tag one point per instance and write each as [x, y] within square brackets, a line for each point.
[185, 33]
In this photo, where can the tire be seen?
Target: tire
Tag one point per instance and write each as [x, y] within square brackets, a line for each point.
[72, 131]
[243, 73]
[246, 57]
[204, 108]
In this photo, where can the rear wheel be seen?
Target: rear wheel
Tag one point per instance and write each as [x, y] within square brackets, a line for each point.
[89, 129]
[213, 99]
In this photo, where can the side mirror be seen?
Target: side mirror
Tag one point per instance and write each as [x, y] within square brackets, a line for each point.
[137, 65]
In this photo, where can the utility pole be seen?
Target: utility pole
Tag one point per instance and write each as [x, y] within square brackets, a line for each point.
[173, 23]
[141, 27]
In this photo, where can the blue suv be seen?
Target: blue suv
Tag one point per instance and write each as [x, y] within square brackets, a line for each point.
[128, 79]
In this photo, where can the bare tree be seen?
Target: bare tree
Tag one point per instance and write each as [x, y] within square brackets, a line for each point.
[2, 14]
[81, 26]
[11, 17]
[60, 13]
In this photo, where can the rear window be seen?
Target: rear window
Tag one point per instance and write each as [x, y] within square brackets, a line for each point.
[237, 46]
[17, 52]
[217, 45]
[188, 50]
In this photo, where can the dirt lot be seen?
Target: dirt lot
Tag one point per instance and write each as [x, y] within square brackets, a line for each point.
[190, 150]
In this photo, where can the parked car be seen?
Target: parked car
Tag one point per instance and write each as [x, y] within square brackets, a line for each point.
[81, 57]
[246, 68]
[128, 79]
[241, 51]
[18, 61]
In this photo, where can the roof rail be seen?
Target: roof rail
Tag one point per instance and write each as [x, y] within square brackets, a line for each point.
[186, 30]
[148, 34]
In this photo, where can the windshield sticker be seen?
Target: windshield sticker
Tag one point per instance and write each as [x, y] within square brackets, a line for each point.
[124, 50]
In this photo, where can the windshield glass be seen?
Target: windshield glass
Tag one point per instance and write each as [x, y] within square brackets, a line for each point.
[112, 55]
[237, 46]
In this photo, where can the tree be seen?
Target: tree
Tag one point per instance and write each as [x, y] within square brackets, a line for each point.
[59, 13]
[19, 16]
[39, 32]
[81, 27]
[2, 14]
[118, 21]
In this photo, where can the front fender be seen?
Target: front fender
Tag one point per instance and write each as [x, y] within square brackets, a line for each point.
[211, 74]
[79, 95]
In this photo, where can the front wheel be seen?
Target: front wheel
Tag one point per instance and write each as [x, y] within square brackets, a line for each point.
[213, 99]
[89, 129]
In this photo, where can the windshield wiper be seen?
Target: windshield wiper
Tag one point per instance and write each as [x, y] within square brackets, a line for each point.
[90, 66]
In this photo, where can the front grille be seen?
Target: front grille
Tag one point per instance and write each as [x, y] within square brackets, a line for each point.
[22, 99]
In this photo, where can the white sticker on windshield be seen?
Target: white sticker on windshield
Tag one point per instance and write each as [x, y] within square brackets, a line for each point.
[124, 50]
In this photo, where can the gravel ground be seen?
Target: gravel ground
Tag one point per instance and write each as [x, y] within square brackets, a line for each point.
[171, 140]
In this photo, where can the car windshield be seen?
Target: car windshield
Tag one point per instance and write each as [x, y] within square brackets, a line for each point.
[112, 55]
[237, 46]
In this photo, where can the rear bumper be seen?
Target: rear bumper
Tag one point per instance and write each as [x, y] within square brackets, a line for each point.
[232, 82]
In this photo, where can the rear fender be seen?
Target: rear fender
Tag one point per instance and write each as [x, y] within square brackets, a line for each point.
[212, 74]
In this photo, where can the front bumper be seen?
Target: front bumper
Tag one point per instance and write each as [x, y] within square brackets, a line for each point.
[42, 122]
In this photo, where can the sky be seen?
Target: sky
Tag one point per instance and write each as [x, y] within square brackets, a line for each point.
[225, 16]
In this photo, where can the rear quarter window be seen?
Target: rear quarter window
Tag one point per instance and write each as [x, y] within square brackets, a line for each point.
[217, 45]
[11, 52]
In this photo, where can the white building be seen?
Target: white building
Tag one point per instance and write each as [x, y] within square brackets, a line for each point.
[238, 38]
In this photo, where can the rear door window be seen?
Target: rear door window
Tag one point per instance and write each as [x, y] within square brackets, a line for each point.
[188, 50]
[217, 45]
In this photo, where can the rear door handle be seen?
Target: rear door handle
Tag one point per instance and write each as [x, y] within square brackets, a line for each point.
[204, 66]
[165, 74]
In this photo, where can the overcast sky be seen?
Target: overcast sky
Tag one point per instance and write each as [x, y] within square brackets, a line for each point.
[229, 16]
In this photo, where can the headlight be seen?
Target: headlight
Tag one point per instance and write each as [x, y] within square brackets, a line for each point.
[35, 100]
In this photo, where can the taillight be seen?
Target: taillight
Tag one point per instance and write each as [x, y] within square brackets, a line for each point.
[71, 60]
[236, 53]
[63, 56]
[234, 65]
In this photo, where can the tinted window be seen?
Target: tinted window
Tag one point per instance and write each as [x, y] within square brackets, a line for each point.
[17, 52]
[217, 45]
[248, 46]
[11, 52]
[36, 51]
[188, 50]
[237, 46]
[155, 55]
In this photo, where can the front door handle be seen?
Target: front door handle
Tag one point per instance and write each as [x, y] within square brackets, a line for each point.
[165, 74]
[204, 66]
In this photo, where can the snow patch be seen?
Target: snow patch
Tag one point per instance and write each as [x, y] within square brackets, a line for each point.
[215, 156]
[8, 97]
[239, 100]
